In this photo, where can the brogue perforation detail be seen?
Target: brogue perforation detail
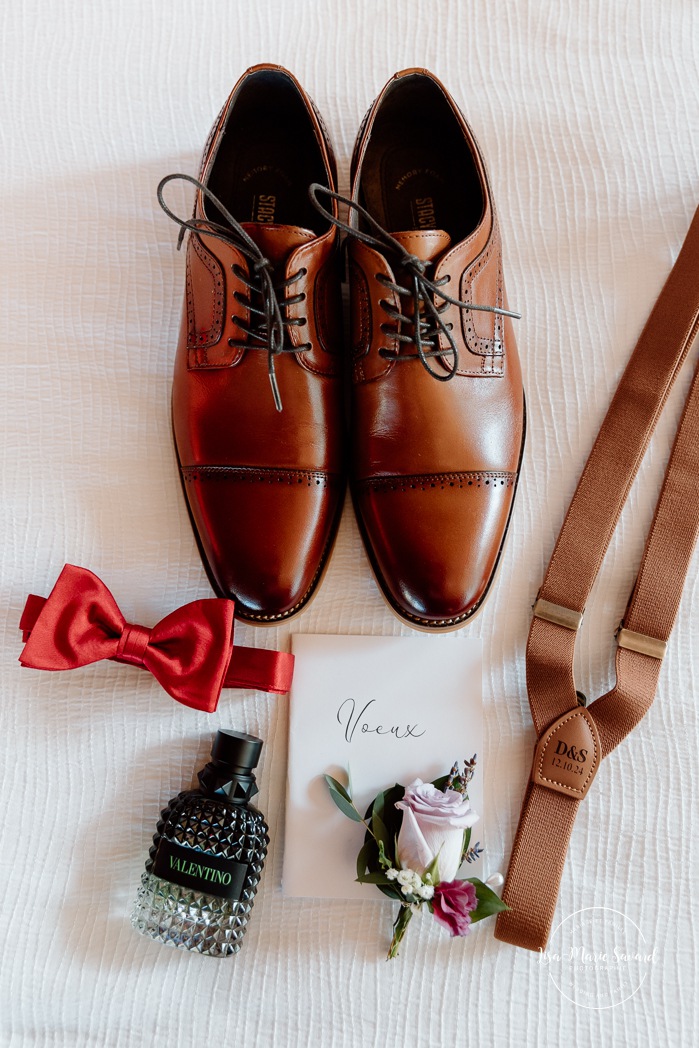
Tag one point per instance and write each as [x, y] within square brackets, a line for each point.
[197, 344]
[252, 475]
[362, 342]
[312, 478]
[442, 481]
[492, 350]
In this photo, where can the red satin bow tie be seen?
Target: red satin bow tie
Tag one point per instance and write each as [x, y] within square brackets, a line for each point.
[190, 652]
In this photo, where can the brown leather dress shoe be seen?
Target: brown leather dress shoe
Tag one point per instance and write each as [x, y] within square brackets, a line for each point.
[437, 404]
[257, 412]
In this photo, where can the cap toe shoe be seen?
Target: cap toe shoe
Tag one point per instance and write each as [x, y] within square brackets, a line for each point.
[437, 428]
[264, 486]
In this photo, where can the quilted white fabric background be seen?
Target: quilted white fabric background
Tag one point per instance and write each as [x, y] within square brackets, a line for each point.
[588, 116]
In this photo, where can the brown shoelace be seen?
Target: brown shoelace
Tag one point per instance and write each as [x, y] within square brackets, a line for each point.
[426, 320]
[267, 332]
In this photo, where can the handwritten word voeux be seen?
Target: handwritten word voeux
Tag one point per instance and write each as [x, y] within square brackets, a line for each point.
[348, 719]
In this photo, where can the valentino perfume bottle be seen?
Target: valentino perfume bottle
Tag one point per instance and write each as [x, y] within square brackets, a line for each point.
[207, 856]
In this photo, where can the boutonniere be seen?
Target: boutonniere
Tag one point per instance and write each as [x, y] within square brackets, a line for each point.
[416, 839]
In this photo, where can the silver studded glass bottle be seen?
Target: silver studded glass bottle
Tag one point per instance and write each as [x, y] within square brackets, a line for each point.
[208, 851]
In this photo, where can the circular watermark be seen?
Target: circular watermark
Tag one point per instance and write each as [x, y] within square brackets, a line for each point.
[597, 957]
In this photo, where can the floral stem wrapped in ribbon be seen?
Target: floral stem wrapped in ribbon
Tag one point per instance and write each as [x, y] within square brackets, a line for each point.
[417, 837]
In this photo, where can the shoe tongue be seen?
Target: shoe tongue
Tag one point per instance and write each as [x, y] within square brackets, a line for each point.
[277, 242]
[425, 244]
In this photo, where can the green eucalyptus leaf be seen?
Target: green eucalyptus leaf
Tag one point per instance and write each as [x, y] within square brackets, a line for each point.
[488, 902]
[340, 799]
[337, 787]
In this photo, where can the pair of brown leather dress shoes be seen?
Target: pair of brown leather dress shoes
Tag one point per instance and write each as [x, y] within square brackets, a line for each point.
[436, 432]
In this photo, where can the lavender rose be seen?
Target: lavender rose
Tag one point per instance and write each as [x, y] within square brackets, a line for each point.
[452, 904]
[433, 824]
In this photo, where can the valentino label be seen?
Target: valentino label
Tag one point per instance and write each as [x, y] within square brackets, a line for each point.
[568, 754]
[198, 870]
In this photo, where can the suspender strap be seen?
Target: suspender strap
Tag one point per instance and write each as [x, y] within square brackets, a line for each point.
[572, 740]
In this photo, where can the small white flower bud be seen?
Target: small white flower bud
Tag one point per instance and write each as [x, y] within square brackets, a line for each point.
[391, 874]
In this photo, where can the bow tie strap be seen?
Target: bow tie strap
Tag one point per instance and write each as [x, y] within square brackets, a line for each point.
[32, 610]
[190, 652]
[260, 669]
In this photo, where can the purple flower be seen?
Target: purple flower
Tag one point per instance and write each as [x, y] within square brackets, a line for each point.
[433, 824]
[452, 905]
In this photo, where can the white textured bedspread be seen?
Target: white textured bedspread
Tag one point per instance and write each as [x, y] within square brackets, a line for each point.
[588, 115]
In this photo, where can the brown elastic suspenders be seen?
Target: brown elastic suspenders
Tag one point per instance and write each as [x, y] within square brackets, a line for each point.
[572, 739]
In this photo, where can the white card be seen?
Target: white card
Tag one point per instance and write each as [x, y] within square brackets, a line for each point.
[388, 709]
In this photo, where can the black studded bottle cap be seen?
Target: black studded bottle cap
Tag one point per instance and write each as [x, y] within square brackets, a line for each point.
[236, 749]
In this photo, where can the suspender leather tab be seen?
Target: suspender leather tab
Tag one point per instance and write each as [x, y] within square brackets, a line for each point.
[568, 754]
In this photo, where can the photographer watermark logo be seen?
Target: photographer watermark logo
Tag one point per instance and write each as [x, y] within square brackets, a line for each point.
[597, 957]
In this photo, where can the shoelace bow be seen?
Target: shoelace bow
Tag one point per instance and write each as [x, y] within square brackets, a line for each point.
[426, 322]
[268, 332]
